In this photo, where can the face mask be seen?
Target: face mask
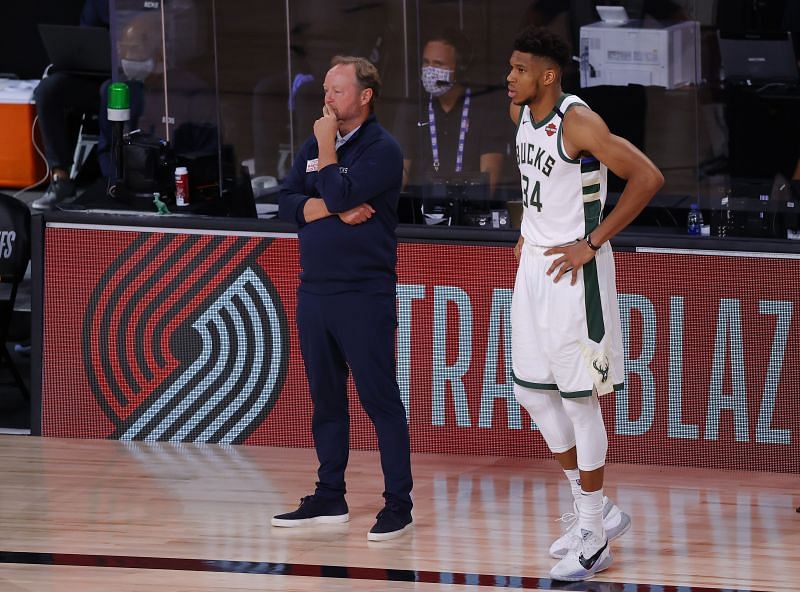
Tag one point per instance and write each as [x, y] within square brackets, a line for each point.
[138, 70]
[437, 81]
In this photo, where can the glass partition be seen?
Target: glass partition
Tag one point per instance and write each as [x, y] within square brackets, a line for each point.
[165, 52]
[252, 44]
[722, 125]
[192, 102]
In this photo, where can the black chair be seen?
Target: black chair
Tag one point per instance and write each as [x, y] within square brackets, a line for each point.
[15, 253]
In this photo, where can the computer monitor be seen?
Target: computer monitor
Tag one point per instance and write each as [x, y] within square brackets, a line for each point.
[758, 58]
[449, 199]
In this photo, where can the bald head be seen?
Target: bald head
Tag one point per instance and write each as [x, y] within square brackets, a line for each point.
[140, 38]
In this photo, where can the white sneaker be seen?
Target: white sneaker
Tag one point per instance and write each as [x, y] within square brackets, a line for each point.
[615, 522]
[589, 556]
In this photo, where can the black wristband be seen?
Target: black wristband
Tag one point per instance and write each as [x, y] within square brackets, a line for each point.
[589, 242]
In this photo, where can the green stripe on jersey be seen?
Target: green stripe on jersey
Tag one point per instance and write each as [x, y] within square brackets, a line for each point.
[594, 307]
[591, 214]
[591, 179]
[560, 137]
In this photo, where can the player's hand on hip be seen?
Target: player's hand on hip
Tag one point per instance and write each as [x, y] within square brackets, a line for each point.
[518, 248]
[357, 215]
[325, 127]
[572, 258]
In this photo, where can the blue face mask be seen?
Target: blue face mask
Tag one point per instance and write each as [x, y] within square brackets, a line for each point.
[437, 81]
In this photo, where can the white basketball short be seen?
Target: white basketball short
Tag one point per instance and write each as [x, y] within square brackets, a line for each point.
[563, 337]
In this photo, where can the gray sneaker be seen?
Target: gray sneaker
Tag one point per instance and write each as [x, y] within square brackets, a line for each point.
[59, 190]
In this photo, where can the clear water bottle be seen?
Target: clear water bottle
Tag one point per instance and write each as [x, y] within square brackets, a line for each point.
[694, 221]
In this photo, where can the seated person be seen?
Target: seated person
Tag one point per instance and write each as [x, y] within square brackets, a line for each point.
[59, 96]
[191, 124]
[460, 129]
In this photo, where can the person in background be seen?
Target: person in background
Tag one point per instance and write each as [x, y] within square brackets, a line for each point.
[566, 337]
[342, 192]
[60, 96]
[457, 129]
[192, 117]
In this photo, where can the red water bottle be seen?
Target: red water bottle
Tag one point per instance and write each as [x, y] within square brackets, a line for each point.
[181, 186]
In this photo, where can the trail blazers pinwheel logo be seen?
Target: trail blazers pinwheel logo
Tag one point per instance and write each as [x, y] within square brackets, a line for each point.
[185, 339]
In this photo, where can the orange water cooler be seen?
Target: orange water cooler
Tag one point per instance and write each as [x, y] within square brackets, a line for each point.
[20, 164]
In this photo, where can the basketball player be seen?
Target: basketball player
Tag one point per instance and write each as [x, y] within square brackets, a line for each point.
[566, 336]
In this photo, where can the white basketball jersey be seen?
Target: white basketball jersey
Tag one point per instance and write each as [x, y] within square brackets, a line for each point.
[563, 198]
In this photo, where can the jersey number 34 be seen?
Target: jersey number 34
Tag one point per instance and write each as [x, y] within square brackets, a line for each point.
[530, 196]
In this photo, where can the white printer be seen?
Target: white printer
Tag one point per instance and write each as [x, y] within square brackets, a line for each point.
[616, 51]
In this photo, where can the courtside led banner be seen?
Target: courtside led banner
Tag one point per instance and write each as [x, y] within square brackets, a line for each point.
[189, 336]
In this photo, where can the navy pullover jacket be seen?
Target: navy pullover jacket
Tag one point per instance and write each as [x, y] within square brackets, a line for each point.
[336, 257]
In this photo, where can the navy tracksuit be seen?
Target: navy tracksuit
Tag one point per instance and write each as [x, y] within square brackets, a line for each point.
[346, 307]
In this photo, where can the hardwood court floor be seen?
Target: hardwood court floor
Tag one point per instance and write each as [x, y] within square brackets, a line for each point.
[88, 516]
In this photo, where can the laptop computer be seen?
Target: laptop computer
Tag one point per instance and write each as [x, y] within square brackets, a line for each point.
[758, 58]
[76, 49]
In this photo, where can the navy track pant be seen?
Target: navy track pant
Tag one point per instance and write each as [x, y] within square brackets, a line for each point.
[355, 330]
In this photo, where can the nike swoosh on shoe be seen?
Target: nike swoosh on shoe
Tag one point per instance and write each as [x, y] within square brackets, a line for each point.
[588, 564]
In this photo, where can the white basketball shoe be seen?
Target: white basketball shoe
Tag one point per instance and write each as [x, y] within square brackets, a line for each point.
[615, 522]
[590, 555]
